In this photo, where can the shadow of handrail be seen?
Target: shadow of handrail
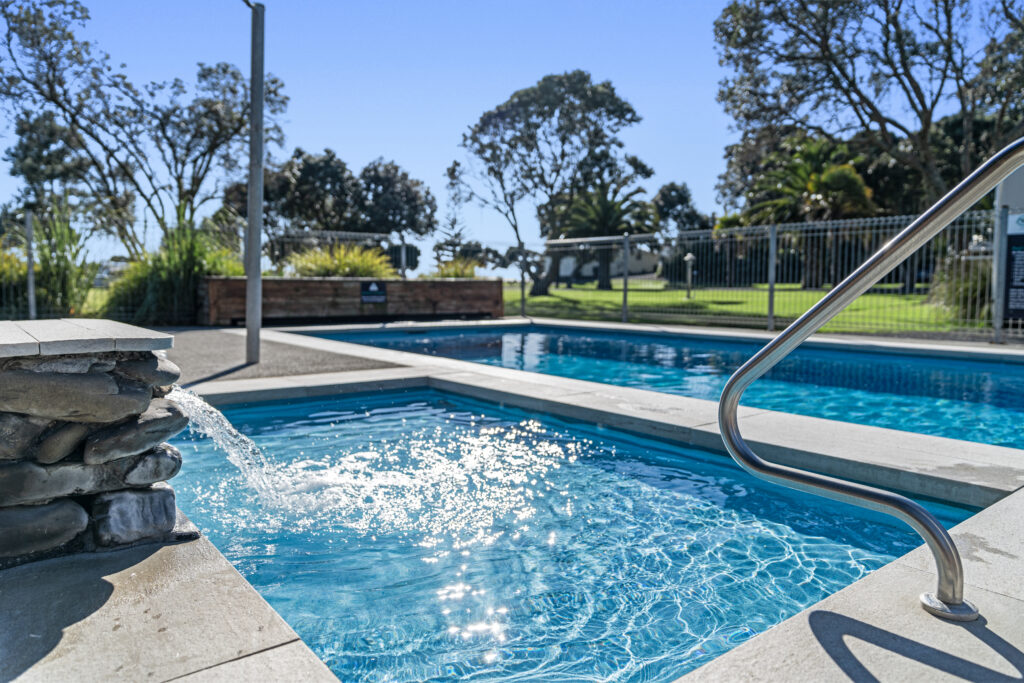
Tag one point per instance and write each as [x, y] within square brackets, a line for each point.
[833, 630]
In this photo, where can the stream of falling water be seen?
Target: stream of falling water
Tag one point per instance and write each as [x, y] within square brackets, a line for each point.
[242, 452]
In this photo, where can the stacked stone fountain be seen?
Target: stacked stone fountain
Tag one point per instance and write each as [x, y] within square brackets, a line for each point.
[83, 421]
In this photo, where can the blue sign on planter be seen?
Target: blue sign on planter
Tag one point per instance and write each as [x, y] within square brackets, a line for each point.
[373, 293]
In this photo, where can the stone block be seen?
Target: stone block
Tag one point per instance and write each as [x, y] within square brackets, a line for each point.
[154, 370]
[123, 517]
[88, 397]
[162, 420]
[37, 528]
[28, 483]
[61, 442]
[18, 434]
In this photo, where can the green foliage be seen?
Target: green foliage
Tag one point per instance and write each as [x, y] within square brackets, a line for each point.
[64, 275]
[963, 287]
[162, 287]
[457, 267]
[674, 204]
[342, 260]
[13, 270]
[809, 180]
[876, 72]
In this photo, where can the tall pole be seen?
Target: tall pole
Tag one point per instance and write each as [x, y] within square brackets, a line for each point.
[625, 277]
[30, 262]
[254, 233]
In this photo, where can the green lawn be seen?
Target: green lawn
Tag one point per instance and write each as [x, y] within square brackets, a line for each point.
[652, 301]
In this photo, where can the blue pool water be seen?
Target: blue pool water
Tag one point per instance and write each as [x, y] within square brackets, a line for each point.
[970, 400]
[418, 536]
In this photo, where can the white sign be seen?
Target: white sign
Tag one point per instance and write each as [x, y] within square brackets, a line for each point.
[1015, 224]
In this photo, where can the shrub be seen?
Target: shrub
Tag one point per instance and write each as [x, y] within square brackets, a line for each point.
[163, 287]
[64, 276]
[457, 267]
[13, 286]
[342, 260]
[964, 287]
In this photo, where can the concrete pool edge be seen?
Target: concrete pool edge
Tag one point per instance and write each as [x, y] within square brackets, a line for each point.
[152, 612]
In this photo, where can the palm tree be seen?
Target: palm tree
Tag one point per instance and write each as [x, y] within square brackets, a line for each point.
[817, 183]
[602, 212]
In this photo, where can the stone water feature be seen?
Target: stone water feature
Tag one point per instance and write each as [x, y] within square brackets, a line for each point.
[83, 421]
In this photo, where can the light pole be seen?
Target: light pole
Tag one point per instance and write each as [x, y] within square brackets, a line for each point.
[254, 230]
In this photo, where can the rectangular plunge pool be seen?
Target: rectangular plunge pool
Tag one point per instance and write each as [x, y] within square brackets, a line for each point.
[419, 536]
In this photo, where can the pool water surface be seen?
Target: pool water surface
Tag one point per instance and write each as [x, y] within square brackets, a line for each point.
[418, 536]
[968, 400]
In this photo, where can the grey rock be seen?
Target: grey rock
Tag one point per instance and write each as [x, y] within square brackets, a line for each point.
[162, 420]
[18, 434]
[153, 370]
[88, 397]
[36, 528]
[28, 483]
[160, 464]
[61, 442]
[70, 365]
[124, 517]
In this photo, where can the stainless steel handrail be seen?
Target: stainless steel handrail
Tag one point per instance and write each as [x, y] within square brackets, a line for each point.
[948, 600]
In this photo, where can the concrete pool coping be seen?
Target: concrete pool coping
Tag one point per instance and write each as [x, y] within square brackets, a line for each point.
[872, 629]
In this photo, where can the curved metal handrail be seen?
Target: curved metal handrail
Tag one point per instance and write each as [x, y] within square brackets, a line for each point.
[948, 600]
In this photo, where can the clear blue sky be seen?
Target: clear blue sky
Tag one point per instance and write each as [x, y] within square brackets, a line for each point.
[403, 79]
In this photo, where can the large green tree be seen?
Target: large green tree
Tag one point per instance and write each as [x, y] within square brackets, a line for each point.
[156, 147]
[881, 71]
[548, 143]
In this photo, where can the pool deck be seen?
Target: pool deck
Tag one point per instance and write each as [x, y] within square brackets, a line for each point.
[182, 611]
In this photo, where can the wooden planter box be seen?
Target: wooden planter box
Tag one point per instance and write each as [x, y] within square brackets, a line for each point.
[336, 299]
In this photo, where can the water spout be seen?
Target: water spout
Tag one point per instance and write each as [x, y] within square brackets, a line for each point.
[242, 452]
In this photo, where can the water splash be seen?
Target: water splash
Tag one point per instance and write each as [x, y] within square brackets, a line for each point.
[205, 420]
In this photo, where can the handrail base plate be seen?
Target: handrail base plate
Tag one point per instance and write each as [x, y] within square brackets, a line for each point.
[965, 611]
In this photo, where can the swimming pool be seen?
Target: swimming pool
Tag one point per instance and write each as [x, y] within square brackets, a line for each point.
[420, 536]
[969, 400]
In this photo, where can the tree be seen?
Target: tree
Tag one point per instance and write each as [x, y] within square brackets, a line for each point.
[394, 203]
[606, 211]
[548, 142]
[813, 180]
[318, 191]
[881, 70]
[674, 205]
[158, 144]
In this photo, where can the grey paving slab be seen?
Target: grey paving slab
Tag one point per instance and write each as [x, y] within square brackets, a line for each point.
[15, 341]
[126, 337]
[60, 336]
[991, 545]
[149, 613]
[208, 354]
[291, 662]
[875, 631]
[225, 392]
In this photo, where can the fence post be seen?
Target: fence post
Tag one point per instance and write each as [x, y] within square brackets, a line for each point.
[402, 259]
[30, 262]
[625, 277]
[522, 280]
[999, 273]
[773, 254]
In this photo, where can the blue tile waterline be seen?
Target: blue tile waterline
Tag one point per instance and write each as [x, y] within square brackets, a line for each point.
[430, 537]
[968, 400]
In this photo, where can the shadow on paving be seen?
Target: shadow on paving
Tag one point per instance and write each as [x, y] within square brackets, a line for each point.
[40, 599]
[833, 630]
